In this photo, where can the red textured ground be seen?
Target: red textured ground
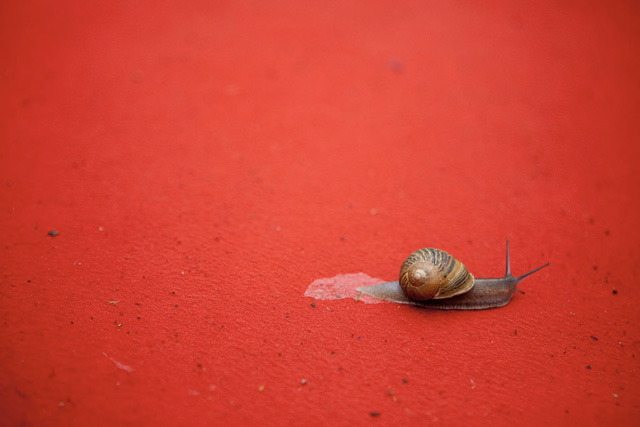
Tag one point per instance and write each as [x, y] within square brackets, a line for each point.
[204, 162]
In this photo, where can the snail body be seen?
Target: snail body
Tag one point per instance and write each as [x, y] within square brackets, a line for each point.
[432, 278]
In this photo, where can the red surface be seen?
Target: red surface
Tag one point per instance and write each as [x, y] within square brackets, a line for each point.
[205, 162]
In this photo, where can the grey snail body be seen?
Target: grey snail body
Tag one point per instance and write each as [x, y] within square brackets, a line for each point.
[466, 292]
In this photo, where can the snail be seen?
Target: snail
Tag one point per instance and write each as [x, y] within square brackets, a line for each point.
[432, 278]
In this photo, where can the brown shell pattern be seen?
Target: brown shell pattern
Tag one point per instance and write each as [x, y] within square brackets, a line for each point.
[433, 274]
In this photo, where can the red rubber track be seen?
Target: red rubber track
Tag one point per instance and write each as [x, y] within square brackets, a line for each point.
[204, 162]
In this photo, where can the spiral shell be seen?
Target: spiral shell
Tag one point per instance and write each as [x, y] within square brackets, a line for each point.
[433, 274]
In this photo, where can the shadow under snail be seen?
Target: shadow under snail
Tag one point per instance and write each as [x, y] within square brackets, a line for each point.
[432, 278]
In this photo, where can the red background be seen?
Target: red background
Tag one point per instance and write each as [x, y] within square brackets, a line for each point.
[204, 162]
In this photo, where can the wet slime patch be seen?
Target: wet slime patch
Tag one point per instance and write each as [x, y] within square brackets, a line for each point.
[343, 286]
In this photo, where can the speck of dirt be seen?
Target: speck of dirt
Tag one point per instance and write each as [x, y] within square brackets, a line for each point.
[374, 414]
[615, 292]
[53, 233]
[396, 66]
[589, 367]
[594, 338]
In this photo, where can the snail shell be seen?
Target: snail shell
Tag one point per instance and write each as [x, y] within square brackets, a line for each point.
[433, 274]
